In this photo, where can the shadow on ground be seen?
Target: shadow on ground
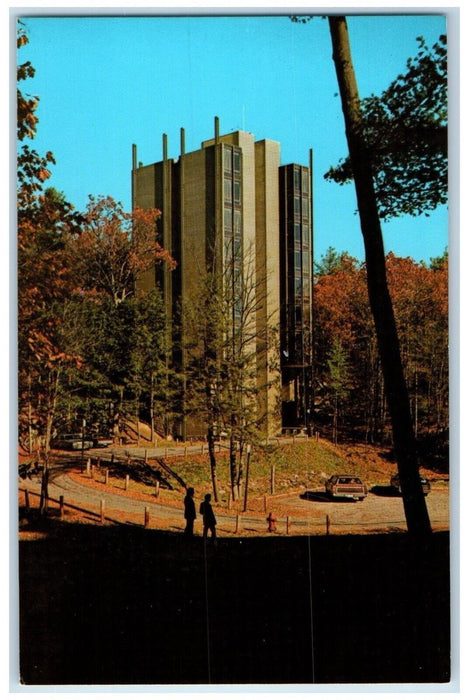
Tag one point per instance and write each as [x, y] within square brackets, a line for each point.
[385, 491]
[315, 496]
[125, 605]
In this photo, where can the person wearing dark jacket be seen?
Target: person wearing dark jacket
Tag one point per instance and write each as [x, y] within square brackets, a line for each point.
[189, 512]
[209, 519]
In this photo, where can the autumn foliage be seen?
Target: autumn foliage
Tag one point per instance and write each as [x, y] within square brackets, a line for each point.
[67, 259]
[114, 247]
[420, 298]
[90, 347]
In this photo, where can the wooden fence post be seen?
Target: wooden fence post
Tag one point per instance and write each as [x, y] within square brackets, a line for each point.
[288, 524]
[328, 524]
[61, 502]
[146, 516]
[127, 478]
[102, 511]
[106, 476]
[26, 500]
[237, 523]
[157, 488]
[265, 504]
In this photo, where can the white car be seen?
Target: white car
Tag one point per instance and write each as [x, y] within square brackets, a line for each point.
[71, 441]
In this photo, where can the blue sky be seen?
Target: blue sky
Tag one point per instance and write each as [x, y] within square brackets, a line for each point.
[107, 82]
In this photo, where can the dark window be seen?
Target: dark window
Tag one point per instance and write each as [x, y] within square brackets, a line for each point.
[228, 190]
[227, 159]
[297, 206]
[237, 248]
[228, 245]
[237, 221]
[298, 285]
[228, 219]
[237, 192]
[297, 180]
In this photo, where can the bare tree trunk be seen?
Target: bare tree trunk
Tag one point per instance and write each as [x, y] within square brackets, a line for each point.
[233, 467]
[137, 418]
[117, 417]
[51, 405]
[416, 403]
[43, 503]
[239, 476]
[30, 417]
[418, 522]
[334, 422]
[152, 408]
[246, 487]
[52, 401]
[213, 462]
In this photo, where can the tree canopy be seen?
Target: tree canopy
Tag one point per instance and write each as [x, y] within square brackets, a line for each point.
[405, 130]
[115, 246]
[420, 298]
[78, 348]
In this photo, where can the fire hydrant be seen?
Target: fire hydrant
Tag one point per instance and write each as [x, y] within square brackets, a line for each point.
[272, 519]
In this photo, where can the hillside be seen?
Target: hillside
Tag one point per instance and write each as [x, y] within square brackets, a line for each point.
[294, 466]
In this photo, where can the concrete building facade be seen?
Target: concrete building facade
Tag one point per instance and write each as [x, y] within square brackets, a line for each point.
[229, 207]
[296, 295]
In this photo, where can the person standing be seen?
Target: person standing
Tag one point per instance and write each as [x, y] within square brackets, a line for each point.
[209, 519]
[189, 512]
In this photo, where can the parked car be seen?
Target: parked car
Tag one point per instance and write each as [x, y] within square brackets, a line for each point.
[102, 442]
[346, 486]
[396, 484]
[71, 441]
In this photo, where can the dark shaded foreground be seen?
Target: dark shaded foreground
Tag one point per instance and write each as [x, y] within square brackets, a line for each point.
[124, 605]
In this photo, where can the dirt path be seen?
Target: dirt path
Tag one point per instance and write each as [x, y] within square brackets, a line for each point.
[294, 514]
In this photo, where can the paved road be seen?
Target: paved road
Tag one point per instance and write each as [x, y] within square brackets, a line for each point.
[119, 506]
[376, 512]
[174, 450]
[380, 509]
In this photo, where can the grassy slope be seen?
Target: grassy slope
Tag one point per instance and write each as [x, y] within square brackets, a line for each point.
[302, 465]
